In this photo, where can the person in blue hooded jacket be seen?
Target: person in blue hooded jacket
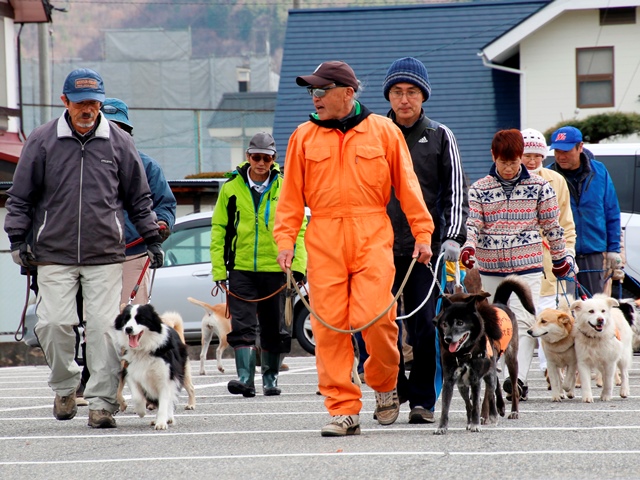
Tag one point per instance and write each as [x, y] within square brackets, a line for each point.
[164, 206]
[595, 207]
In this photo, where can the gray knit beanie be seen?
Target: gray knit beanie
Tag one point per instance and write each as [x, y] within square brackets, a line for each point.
[409, 70]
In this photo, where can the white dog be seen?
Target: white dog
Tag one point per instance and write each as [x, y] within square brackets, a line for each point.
[213, 321]
[602, 341]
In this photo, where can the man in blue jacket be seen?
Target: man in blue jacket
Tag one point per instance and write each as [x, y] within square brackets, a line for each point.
[595, 208]
[164, 205]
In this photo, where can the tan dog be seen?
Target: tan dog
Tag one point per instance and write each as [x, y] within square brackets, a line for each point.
[214, 321]
[602, 341]
[555, 329]
[173, 320]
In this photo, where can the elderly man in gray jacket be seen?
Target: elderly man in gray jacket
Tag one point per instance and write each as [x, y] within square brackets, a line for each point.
[75, 176]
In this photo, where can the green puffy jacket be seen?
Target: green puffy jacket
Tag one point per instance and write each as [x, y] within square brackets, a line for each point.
[242, 235]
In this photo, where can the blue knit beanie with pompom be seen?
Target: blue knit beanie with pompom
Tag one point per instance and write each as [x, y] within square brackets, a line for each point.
[409, 70]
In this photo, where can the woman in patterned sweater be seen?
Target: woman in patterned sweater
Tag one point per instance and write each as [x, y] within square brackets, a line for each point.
[507, 211]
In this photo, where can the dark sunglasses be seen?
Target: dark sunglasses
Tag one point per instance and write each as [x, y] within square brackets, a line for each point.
[258, 157]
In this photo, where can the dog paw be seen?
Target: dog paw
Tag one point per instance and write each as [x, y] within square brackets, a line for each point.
[123, 406]
[514, 416]
[160, 425]
[587, 399]
[203, 372]
[605, 398]
[190, 407]
[221, 369]
[557, 398]
[473, 428]
[570, 394]
[440, 431]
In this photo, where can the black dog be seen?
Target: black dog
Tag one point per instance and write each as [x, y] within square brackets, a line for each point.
[473, 335]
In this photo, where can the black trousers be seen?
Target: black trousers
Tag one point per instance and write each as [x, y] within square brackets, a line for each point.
[420, 386]
[268, 314]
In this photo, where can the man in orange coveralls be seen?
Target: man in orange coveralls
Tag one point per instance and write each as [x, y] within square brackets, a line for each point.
[342, 164]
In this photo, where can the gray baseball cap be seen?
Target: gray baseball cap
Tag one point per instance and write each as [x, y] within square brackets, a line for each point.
[262, 142]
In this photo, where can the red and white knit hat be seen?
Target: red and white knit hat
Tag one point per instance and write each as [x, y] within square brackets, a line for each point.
[534, 142]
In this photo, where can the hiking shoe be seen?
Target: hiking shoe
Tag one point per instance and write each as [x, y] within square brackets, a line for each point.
[65, 408]
[387, 407]
[342, 425]
[101, 419]
[523, 390]
[421, 415]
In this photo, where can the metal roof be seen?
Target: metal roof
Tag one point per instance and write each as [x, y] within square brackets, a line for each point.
[472, 100]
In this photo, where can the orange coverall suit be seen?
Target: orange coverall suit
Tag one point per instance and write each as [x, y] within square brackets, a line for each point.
[345, 179]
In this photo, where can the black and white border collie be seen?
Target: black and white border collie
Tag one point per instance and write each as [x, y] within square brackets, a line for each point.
[157, 361]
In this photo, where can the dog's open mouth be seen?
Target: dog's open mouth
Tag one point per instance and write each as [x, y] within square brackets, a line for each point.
[598, 327]
[134, 340]
[455, 346]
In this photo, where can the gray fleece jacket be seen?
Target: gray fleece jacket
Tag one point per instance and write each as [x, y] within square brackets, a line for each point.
[71, 194]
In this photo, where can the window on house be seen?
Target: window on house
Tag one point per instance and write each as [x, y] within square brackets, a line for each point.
[618, 16]
[595, 77]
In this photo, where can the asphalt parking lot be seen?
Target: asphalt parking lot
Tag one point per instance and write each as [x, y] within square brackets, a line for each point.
[228, 437]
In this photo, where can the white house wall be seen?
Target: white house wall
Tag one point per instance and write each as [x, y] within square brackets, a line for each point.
[548, 58]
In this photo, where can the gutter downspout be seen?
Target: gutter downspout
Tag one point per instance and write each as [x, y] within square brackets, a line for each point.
[523, 86]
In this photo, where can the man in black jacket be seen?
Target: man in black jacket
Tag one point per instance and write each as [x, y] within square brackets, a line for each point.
[437, 163]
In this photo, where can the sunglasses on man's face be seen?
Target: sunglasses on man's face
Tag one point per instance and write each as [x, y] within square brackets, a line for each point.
[320, 92]
[258, 157]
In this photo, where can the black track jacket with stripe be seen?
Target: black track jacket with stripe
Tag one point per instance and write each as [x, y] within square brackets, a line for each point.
[437, 163]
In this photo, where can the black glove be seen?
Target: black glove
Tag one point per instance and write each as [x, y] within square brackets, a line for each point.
[298, 277]
[156, 255]
[21, 254]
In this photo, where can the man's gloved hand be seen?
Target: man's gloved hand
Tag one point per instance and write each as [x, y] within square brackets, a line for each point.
[467, 257]
[451, 250]
[298, 277]
[561, 269]
[156, 255]
[612, 260]
[164, 231]
[21, 254]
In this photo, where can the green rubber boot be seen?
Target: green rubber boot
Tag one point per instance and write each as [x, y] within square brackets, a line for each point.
[246, 366]
[270, 368]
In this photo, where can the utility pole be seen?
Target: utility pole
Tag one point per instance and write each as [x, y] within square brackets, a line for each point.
[44, 59]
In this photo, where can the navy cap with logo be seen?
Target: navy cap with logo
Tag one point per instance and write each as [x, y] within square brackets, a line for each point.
[565, 138]
[116, 111]
[84, 84]
[336, 72]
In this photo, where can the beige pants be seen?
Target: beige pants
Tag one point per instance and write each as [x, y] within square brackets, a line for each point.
[57, 316]
[130, 274]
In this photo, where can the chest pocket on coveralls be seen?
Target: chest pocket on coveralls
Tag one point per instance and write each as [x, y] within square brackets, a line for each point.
[318, 166]
[371, 166]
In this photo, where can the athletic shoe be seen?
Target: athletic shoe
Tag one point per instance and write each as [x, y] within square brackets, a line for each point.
[387, 407]
[421, 415]
[342, 425]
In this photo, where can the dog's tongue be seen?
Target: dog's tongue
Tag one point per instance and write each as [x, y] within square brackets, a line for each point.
[453, 347]
[134, 340]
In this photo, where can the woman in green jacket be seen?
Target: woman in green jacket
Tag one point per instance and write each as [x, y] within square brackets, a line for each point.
[242, 244]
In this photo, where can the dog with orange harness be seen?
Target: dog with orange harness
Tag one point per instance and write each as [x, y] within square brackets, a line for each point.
[473, 336]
